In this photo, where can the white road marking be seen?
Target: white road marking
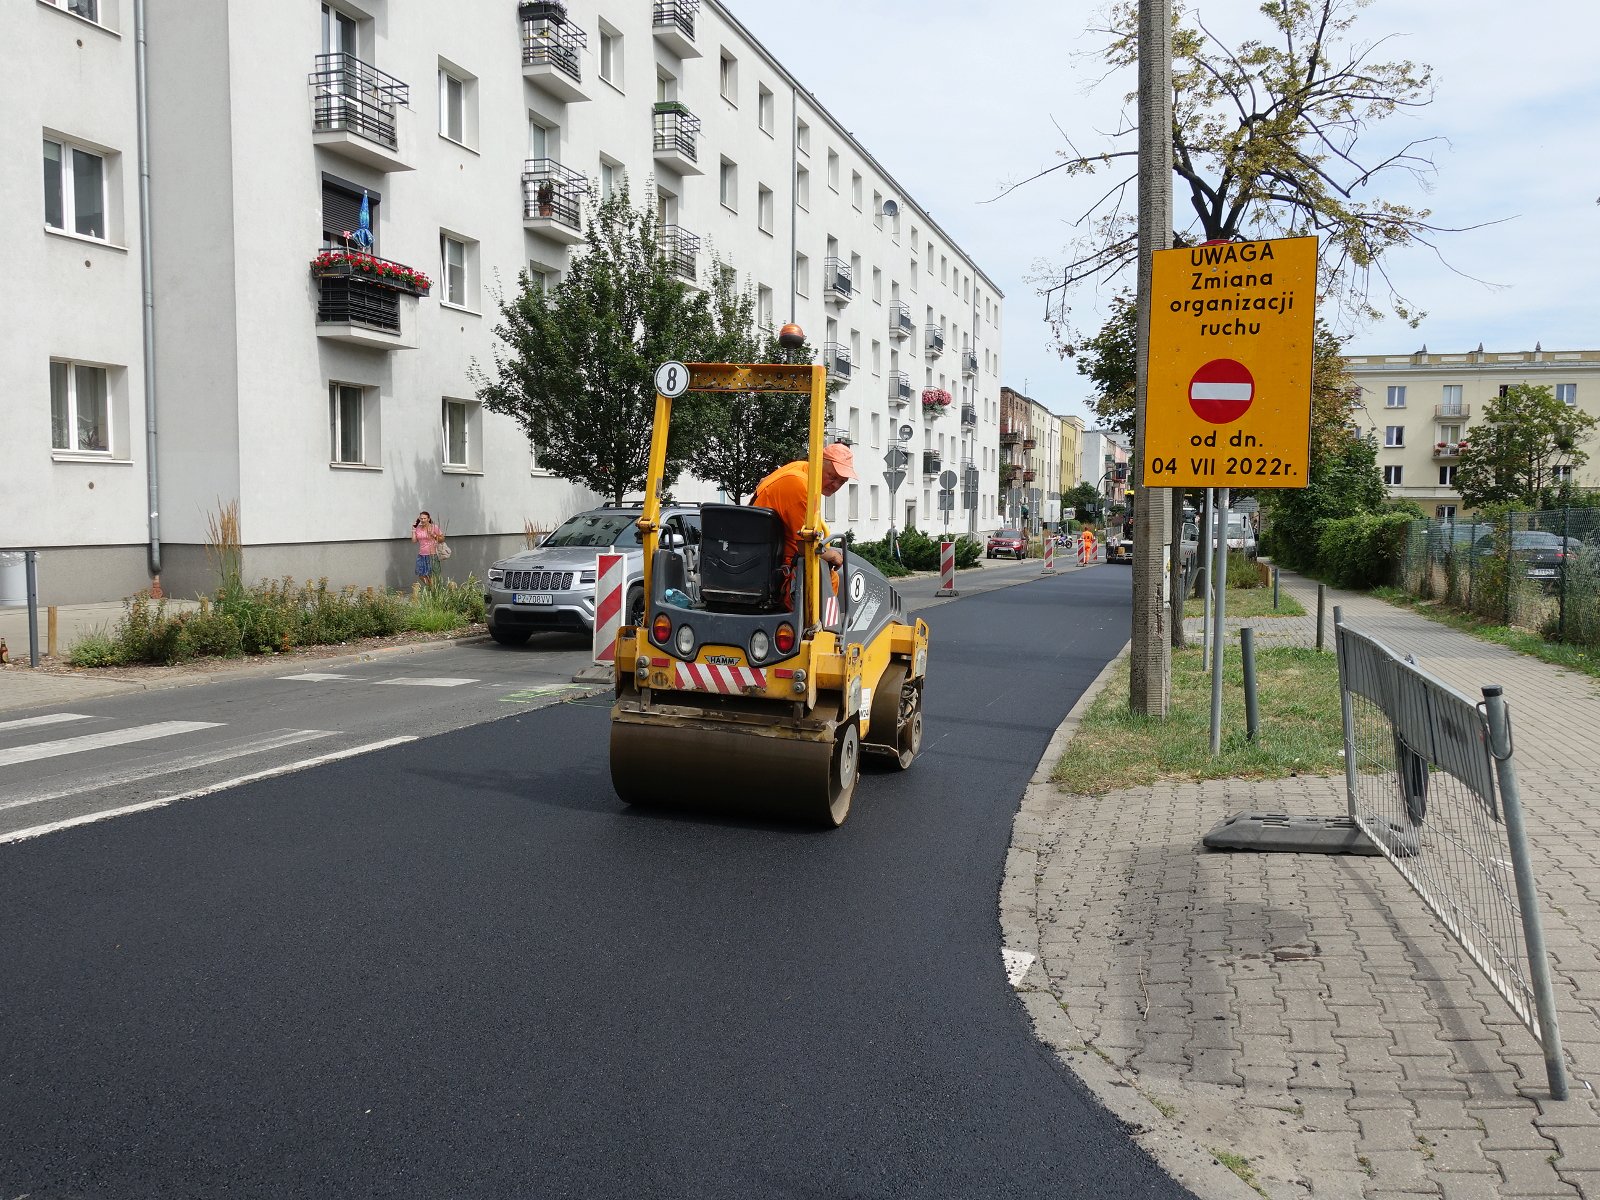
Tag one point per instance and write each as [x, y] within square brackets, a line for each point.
[98, 741]
[312, 677]
[1017, 963]
[238, 781]
[425, 681]
[273, 741]
[52, 719]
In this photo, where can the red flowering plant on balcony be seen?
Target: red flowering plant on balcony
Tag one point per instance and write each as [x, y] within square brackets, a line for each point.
[401, 278]
[935, 400]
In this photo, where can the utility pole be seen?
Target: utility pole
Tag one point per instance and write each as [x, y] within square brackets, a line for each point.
[1151, 679]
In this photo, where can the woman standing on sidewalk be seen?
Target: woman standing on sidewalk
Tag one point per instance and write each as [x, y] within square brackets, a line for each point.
[427, 536]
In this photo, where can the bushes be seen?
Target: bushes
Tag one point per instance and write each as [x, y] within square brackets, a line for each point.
[918, 552]
[1363, 551]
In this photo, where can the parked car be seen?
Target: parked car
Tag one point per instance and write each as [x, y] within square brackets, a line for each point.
[1011, 542]
[1241, 534]
[1538, 554]
[552, 585]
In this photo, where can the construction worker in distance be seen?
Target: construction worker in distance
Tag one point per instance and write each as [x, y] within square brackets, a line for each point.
[784, 492]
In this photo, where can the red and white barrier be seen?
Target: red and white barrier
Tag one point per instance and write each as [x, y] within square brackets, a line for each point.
[947, 569]
[610, 573]
[729, 681]
[1050, 556]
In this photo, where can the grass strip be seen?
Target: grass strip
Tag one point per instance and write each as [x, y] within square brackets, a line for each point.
[1561, 654]
[1250, 602]
[1301, 734]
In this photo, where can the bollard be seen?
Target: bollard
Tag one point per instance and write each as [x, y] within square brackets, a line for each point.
[31, 559]
[947, 569]
[50, 631]
[1274, 589]
[610, 573]
[1322, 597]
[1049, 556]
[1247, 653]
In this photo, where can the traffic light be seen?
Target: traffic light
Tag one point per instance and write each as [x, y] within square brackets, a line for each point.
[1024, 510]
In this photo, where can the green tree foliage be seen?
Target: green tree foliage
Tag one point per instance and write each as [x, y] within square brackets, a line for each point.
[1344, 482]
[1363, 550]
[576, 362]
[1514, 449]
[1109, 360]
[1084, 500]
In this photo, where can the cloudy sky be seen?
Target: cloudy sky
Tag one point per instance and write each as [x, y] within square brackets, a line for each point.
[959, 99]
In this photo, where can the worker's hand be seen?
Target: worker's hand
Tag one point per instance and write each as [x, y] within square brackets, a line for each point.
[833, 556]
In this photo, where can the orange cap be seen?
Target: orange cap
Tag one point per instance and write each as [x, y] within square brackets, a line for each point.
[838, 456]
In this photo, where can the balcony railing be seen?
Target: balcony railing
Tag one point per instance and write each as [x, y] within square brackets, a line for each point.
[551, 43]
[333, 263]
[930, 462]
[355, 97]
[1011, 437]
[1458, 410]
[1029, 442]
[836, 357]
[354, 301]
[899, 387]
[1029, 475]
[838, 281]
[935, 340]
[678, 16]
[969, 414]
[676, 130]
[969, 362]
[900, 322]
[1449, 449]
[682, 250]
[553, 191]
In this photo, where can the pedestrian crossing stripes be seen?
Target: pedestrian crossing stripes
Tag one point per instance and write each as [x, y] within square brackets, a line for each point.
[34, 722]
[99, 741]
[434, 681]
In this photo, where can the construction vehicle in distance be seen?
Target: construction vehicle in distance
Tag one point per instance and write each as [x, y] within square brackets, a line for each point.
[753, 687]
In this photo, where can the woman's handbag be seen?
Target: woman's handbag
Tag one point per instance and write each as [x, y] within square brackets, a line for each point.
[442, 549]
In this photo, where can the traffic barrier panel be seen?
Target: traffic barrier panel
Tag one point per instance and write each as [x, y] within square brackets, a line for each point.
[1049, 556]
[610, 573]
[947, 569]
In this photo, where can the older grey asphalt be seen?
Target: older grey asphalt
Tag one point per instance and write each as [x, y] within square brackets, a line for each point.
[460, 968]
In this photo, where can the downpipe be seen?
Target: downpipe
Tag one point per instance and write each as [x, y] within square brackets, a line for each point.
[147, 287]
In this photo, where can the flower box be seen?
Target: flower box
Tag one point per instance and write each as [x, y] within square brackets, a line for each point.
[542, 10]
[935, 400]
[352, 263]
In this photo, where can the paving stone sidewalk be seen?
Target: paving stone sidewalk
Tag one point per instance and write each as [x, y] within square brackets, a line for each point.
[1305, 1011]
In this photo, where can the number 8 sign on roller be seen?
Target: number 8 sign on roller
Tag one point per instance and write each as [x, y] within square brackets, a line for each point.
[672, 379]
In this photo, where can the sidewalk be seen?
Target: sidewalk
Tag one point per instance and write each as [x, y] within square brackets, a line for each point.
[1303, 1011]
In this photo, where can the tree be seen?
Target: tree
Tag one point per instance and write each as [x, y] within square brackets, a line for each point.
[1267, 143]
[735, 441]
[1083, 500]
[1108, 360]
[1344, 482]
[576, 362]
[1515, 449]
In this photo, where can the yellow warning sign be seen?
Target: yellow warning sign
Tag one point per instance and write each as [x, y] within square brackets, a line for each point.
[1229, 379]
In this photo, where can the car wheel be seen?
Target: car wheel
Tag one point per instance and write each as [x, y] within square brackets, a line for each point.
[634, 611]
[510, 637]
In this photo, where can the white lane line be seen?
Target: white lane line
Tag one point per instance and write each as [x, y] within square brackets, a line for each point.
[424, 681]
[1017, 963]
[238, 781]
[99, 741]
[312, 677]
[32, 722]
[273, 741]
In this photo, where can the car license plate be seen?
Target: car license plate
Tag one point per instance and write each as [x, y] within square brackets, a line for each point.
[1541, 572]
[532, 598]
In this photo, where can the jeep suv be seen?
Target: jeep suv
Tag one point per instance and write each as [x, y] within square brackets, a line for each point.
[552, 585]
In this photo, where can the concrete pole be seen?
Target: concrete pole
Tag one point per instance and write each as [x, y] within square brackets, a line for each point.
[1151, 674]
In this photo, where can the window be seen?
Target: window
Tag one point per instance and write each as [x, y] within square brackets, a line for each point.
[877, 209]
[453, 256]
[341, 214]
[802, 137]
[1394, 435]
[855, 426]
[872, 509]
[764, 108]
[460, 427]
[89, 10]
[944, 269]
[1396, 397]
[1450, 401]
[855, 189]
[540, 277]
[74, 189]
[1562, 473]
[913, 279]
[608, 179]
[913, 239]
[877, 357]
[877, 286]
[833, 170]
[347, 405]
[728, 77]
[764, 208]
[1392, 475]
[855, 502]
[802, 270]
[1450, 434]
[877, 431]
[80, 408]
[764, 307]
[855, 272]
[1445, 512]
[453, 106]
[610, 56]
[1567, 393]
[1447, 476]
[802, 188]
[728, 187]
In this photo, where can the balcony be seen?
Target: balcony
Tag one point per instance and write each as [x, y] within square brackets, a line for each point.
[969, 414]
[1029, 442]
[900, 323]
[930, 462]
[969, 362]
[674, 26]
[682, 251]
[1010, 437]
[899, 389]
[1457, 411]
[1449, 449]
[552, 49]
[836, 357]
[355, 111]
[838, 281]
[360, 300]
[677, 131]
[552, 203]
[934, 341]
[1029, 475]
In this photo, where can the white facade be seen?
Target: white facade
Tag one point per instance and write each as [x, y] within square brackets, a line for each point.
[330, 432]
[1102, 451]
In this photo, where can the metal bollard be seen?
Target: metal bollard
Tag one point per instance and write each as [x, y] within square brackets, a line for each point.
[1247, 652]
[31, 563]
[1274, 589]
[1321, 601]
[50, 642]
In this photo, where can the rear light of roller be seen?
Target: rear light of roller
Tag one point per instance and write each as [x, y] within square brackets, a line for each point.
[783, 638]
[662, 629]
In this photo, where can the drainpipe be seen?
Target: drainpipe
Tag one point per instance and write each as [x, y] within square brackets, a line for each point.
[794, 189]
[147, 283]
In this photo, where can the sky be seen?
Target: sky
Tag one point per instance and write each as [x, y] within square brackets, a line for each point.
[960, 100]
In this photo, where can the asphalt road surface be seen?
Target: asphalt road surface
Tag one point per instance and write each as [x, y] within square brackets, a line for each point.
[459, 967]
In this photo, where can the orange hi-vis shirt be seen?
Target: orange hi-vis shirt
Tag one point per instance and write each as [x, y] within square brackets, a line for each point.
[784, 492]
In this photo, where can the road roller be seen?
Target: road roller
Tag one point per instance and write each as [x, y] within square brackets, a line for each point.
[754, 686]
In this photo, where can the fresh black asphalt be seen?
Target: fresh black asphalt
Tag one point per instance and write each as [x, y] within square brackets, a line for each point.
[460, 968]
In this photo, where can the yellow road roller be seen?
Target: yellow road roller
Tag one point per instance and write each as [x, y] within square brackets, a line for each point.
[754, 686]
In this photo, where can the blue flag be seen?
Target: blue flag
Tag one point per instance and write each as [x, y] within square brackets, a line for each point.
[363, 235]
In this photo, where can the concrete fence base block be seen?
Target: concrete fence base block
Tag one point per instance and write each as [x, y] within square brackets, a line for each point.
[1280, 831]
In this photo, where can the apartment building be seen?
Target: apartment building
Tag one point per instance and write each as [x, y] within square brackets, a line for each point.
[456, 146]
[1103, 451]
[1072, 430]
[1422, 408]
[1030, 453]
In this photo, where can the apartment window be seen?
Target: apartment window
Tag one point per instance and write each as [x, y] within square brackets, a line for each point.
[872, 495]
[1392, 474]
[877, 286]
[764, 108]
[802, 188]
[341, 214]
[1450, 401]
[877, 431]
[1396, 397]
[855, 502]
[855, 426]
[540, 277]
[80, 408]
[855, 272]
[1447, 476]
[460, 428]
[1567, 393]
[1450, 434]
[855, 189]
[608, 179]
[764, 208]
[877, 357]
[833, 170]
[728, 77]
[453, 104]
[1394, 435]
[913, 239]
[877, 209]
[1445, 512]
[454, 259]
[1562, 473]
[728, 188]
[829, 510]
[802, 137]
[855, 356]
[764, 307]
[944, 268]
[74, 189]
[802, 272]
[348, 418]
[610, 56]
[913, 280]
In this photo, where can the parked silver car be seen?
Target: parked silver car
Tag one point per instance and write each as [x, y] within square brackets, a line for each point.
[552, 585]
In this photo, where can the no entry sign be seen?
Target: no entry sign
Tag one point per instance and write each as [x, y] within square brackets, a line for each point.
[1229, 378]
